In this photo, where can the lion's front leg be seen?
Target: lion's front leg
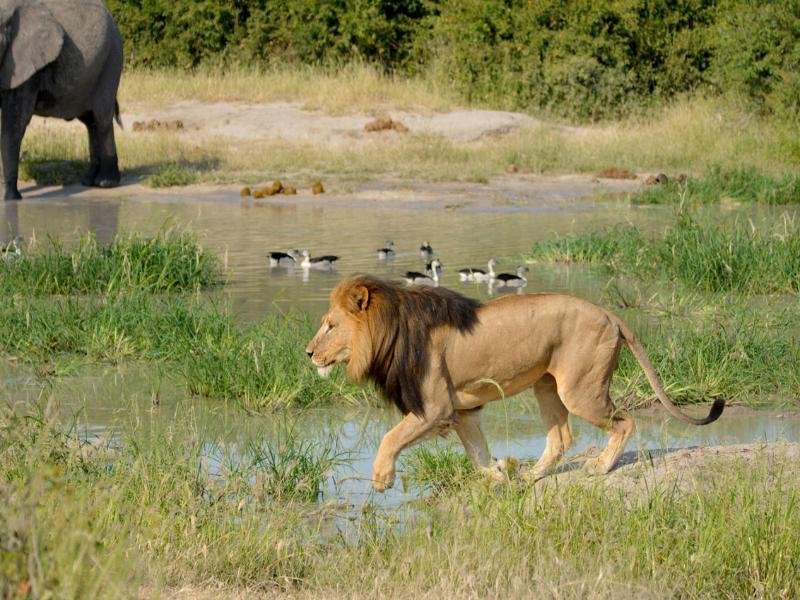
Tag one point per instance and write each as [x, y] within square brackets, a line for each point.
[411, 430]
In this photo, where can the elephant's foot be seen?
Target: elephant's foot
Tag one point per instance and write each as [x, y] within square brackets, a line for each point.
[103, 181]
[107, 183]
[12, 193]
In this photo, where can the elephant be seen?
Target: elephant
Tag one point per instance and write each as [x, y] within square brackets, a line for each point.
[59, 58]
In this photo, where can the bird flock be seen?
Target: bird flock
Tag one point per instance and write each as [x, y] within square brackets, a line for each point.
[431, 276]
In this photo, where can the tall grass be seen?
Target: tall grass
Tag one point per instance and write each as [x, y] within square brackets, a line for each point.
[706, 256]
[717, 350]
[258, 367]
[172, 261]
[126, 518]
[718, 184]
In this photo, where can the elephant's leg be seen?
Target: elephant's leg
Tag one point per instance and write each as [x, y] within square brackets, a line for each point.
[16, 111]
[94, 148]
[108, 173]
[103, 166]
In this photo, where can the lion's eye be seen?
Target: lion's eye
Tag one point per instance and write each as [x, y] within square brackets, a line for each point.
[330, 326]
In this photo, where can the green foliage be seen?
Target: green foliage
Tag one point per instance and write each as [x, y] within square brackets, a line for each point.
[718, 184]
[579, 59]
[702, 256]
[169, 262]
[267, 32]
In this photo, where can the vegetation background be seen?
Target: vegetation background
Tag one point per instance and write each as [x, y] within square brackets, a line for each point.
[583, 60]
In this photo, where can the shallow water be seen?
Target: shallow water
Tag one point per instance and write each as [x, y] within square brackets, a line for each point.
[461, 238]
[244, 235]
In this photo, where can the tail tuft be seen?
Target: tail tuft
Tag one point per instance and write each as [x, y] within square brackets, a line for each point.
[715, 412]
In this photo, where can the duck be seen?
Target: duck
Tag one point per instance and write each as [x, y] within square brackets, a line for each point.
[425, 250]
[388, 252]
[429, 268]
[509, 280]
[12, 250]
[478, 275]
[284, 259]
[323, 263]
[432, 279]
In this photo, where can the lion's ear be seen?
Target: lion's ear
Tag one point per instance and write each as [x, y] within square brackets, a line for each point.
[360, 297]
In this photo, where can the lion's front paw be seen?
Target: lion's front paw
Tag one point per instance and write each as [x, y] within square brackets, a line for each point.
[382, 477]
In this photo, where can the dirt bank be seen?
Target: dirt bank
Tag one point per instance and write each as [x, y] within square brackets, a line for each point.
[684, 469]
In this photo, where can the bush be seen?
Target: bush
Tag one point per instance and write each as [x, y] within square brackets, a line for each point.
[580, 59]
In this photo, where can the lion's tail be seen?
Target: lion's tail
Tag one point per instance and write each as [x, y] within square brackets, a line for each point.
[655, 381]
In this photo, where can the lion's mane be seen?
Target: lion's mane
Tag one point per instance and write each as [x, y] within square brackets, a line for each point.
[391, 338]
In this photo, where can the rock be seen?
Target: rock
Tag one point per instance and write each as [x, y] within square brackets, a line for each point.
[155, 124]
[616, 173]
[385, 123]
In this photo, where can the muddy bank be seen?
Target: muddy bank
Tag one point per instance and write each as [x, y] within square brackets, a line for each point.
[683, 469]
[512, 193]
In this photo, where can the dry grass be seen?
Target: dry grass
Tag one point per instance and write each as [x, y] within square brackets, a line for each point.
[353, 88]
[689, 136]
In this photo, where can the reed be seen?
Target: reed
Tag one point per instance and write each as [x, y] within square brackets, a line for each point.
[171, 261]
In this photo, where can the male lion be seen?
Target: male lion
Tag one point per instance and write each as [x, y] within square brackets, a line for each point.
[440, 356]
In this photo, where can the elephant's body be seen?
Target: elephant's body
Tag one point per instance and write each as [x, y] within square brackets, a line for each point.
[75, 50]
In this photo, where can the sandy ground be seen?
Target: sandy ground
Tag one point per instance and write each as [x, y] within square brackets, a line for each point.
[289, 121]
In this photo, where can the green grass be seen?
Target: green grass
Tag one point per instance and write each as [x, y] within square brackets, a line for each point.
[728, 349]
[438, 468]
[258, 367]
[717, 184]
[146, 512]
[170, 175]
[172, 261]
[701, 255]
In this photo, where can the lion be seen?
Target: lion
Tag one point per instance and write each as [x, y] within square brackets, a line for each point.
[440, 357]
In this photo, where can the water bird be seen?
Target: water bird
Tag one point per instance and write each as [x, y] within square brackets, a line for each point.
[387, 252]
[509, 280]
[12, 250]
[478, 275]
[415, 278]
[425, 250]
[284, 259]
[323, 263]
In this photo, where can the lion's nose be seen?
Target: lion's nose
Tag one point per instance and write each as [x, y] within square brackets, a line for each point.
[310, 353]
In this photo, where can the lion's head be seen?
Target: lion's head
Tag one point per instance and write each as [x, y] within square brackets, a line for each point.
[381, 331]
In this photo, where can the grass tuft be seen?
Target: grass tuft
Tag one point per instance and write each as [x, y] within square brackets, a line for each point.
[439, 468]
[747, 185]
[170, 262]
[170, 175]
[702, 256]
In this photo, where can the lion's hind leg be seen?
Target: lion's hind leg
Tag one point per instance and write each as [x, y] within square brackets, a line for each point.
[555, 418]
[468, 427]
[597, 408]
